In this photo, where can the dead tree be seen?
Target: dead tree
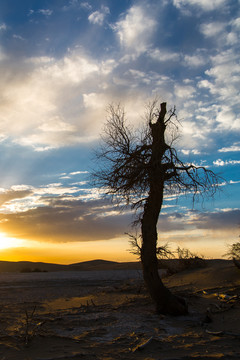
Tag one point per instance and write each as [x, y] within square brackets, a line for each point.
[141, 166]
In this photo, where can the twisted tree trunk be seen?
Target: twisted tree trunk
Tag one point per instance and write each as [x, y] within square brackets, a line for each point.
[164, 300]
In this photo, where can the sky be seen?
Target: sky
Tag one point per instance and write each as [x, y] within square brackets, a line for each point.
[62, 62]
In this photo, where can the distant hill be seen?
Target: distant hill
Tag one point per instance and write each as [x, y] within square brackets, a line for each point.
[95, 262]
[29, 266]
[12, 266]
[104, 265]
[95, 265]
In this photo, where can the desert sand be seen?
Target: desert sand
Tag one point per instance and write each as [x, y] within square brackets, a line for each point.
[108, 315]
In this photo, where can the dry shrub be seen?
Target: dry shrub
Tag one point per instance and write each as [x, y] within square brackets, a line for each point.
[185, 260]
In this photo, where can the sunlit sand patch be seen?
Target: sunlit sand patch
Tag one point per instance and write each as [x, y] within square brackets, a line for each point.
[103, 298]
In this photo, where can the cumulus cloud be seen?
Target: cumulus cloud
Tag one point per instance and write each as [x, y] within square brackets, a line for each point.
[183, 91]
[32, 107]
[194, 60]
[222, 32]
[135, 29]
[227, 119]
[98, 17]
[222, 84]
[212, 29]
[64, 99]
[49, 103]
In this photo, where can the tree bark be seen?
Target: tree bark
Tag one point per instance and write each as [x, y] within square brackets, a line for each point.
[236, 263]
[164, 300]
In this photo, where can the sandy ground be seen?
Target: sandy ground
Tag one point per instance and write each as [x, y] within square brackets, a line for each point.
[108, 315]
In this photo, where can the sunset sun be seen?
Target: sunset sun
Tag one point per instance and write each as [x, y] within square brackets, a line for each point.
[8, 242]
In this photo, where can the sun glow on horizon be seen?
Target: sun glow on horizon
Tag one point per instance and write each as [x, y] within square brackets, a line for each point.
[9, 242]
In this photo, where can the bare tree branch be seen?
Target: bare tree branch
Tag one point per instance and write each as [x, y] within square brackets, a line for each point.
[141, 167]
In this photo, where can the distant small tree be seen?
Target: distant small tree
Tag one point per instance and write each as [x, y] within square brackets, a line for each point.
[183, 253]
[234, 254]
[233, 251]
[140, 166]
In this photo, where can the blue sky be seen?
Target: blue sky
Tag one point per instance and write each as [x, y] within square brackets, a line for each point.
[62, 62]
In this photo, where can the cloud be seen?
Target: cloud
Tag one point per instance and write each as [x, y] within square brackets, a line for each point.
[222, 84]
[194, 60]
[224, 33]
[98, 17]
[222, 219]
[78, 172]
[85, 5]
[136, 29]
[227, 119]
[45, 12]
[203, 4]
[67, 220]
[182, 91]
[34, 93]
[50, 102]
[212, 29]
[3, 27]
[18, 37]
[164, 55]
[220, 162]
[58, 213]
[78, 4]
[188, 152]
[234, 147]
[189, 222]
[14, 193]
[234, 182]
[55, 124]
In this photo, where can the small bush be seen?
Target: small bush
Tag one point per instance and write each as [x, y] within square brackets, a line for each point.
[26, 270]
[185, 260]
[29, 270]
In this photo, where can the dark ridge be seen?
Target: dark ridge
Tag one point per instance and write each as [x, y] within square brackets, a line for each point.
[30, 266]
[95, 262]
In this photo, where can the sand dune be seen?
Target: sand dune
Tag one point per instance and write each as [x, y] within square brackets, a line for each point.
[88, 316]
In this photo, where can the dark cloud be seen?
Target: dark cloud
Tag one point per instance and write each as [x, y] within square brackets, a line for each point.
[218, 220]
[171, 222]
[66, 221]
[225, 220]
[13, 194]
